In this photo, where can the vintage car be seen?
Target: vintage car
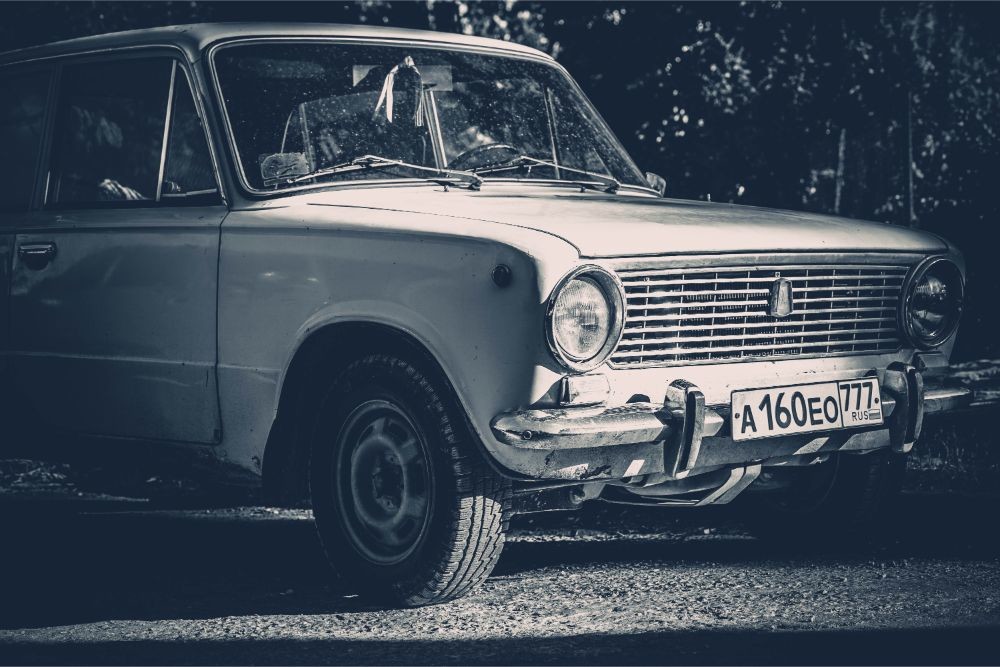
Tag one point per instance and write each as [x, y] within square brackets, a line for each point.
[414, 280]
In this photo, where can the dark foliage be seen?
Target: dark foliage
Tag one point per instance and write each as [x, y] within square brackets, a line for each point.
[883, 111]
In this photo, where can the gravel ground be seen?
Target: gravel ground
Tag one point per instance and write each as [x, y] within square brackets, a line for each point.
[107, 583]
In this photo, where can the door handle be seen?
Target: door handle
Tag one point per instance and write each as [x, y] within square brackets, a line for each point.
[37, 255]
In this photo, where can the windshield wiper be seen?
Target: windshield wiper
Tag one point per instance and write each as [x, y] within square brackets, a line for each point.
[611, 185]
[451, 176]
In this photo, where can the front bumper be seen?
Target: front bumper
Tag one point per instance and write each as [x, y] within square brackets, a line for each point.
[695, 436]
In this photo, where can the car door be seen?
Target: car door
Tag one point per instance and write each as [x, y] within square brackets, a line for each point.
[23, 96]
[113, 286]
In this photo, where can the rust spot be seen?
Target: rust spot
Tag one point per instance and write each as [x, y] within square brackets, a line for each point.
[603, 470]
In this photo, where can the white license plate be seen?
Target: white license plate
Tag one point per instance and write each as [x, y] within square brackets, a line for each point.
[825, 406]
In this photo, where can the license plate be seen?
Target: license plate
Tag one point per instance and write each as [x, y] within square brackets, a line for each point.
[825, 406]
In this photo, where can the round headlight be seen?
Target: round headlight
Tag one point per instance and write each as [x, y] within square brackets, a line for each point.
[933, 302]
[586, 313]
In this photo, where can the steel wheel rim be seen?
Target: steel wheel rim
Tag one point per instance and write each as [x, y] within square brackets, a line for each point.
[383, 479]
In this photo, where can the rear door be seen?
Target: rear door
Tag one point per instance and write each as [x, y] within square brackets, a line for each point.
[113, 288]
[23, 96]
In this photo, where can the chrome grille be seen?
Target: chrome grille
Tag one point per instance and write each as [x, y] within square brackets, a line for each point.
[722, 313]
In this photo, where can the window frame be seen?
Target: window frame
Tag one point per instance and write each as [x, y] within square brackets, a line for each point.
[178, 63]
[194, 199]
[41, 162]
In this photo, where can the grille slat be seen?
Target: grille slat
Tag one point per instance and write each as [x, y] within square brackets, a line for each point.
[887, 299]
[753, 313]
[721, 314]
[747, 325]
[663, 294]
[753, 351]
[627, 341]
[641, 274]
[659, 294]
[674, 305]
[697, 304]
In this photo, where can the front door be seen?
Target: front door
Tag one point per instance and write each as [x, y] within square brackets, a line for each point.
[23, 95]
[113, 287]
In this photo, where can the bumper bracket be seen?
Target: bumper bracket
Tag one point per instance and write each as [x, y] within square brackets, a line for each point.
[906, 385]
[686, 404]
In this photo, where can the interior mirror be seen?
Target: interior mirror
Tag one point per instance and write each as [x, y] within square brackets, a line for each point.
[276, 167]
[656, 182]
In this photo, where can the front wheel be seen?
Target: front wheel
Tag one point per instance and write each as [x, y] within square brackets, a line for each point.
[405, 506]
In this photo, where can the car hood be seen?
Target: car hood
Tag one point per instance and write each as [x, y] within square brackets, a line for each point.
[601, 225]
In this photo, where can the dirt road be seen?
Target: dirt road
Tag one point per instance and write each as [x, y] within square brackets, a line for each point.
[104, 582]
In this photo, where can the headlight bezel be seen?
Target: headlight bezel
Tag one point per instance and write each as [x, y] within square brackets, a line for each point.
[614, 296]
[909, 290]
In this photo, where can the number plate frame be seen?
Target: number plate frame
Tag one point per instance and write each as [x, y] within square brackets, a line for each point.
[814, 395]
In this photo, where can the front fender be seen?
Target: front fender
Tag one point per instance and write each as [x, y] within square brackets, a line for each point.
[282, 278]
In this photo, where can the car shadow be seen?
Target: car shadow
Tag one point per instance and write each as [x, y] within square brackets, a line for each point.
[912, 646]
[922, 526]
[75, 563]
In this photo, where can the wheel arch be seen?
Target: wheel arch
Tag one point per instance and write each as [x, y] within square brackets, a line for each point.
[321, 355]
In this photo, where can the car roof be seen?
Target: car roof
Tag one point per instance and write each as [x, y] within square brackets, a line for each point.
[193, 38]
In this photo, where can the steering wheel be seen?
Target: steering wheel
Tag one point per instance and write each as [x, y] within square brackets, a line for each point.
[494, 154]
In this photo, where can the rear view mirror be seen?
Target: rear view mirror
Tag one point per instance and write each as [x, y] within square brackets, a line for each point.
[656, 182]
[277, 167]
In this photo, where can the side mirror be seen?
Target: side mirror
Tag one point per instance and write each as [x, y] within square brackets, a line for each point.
[276, 167]
[656, 182]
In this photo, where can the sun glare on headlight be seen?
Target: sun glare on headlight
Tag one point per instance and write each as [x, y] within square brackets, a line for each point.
[585, 318]
[581, 319]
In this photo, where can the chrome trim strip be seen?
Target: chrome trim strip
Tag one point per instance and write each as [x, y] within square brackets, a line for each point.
[701, 316]
[751, 325]
[577, 428]
[754, 302]
[771, 267]
[946, 399]
[758, 336]
[666, 294]
[95, 52]
[631, 354]
[707, 261]
[167, 121]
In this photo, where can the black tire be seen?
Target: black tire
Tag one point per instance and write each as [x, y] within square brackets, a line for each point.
[845, 501]
[363, 472]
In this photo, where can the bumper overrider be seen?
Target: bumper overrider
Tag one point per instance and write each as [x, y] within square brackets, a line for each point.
[695, 437]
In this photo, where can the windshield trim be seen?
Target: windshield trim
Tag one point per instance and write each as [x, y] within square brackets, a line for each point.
[256, 193]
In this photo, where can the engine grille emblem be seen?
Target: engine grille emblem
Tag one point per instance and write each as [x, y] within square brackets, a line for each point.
[780, 303]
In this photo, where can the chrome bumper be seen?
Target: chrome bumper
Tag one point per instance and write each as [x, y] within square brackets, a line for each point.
[683, 420]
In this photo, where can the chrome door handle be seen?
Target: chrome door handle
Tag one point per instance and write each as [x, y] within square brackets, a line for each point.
[37, 255]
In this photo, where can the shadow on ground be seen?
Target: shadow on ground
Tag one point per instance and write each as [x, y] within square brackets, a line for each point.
[923, 646]
[66, 563]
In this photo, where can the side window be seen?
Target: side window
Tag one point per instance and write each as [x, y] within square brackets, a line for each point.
[188, 172]
[22, 112]
[109, 131]
[111, 125]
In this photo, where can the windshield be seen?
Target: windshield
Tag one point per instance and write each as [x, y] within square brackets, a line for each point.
[300, 108]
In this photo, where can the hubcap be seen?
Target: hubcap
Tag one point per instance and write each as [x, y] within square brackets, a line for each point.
[383, 481]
